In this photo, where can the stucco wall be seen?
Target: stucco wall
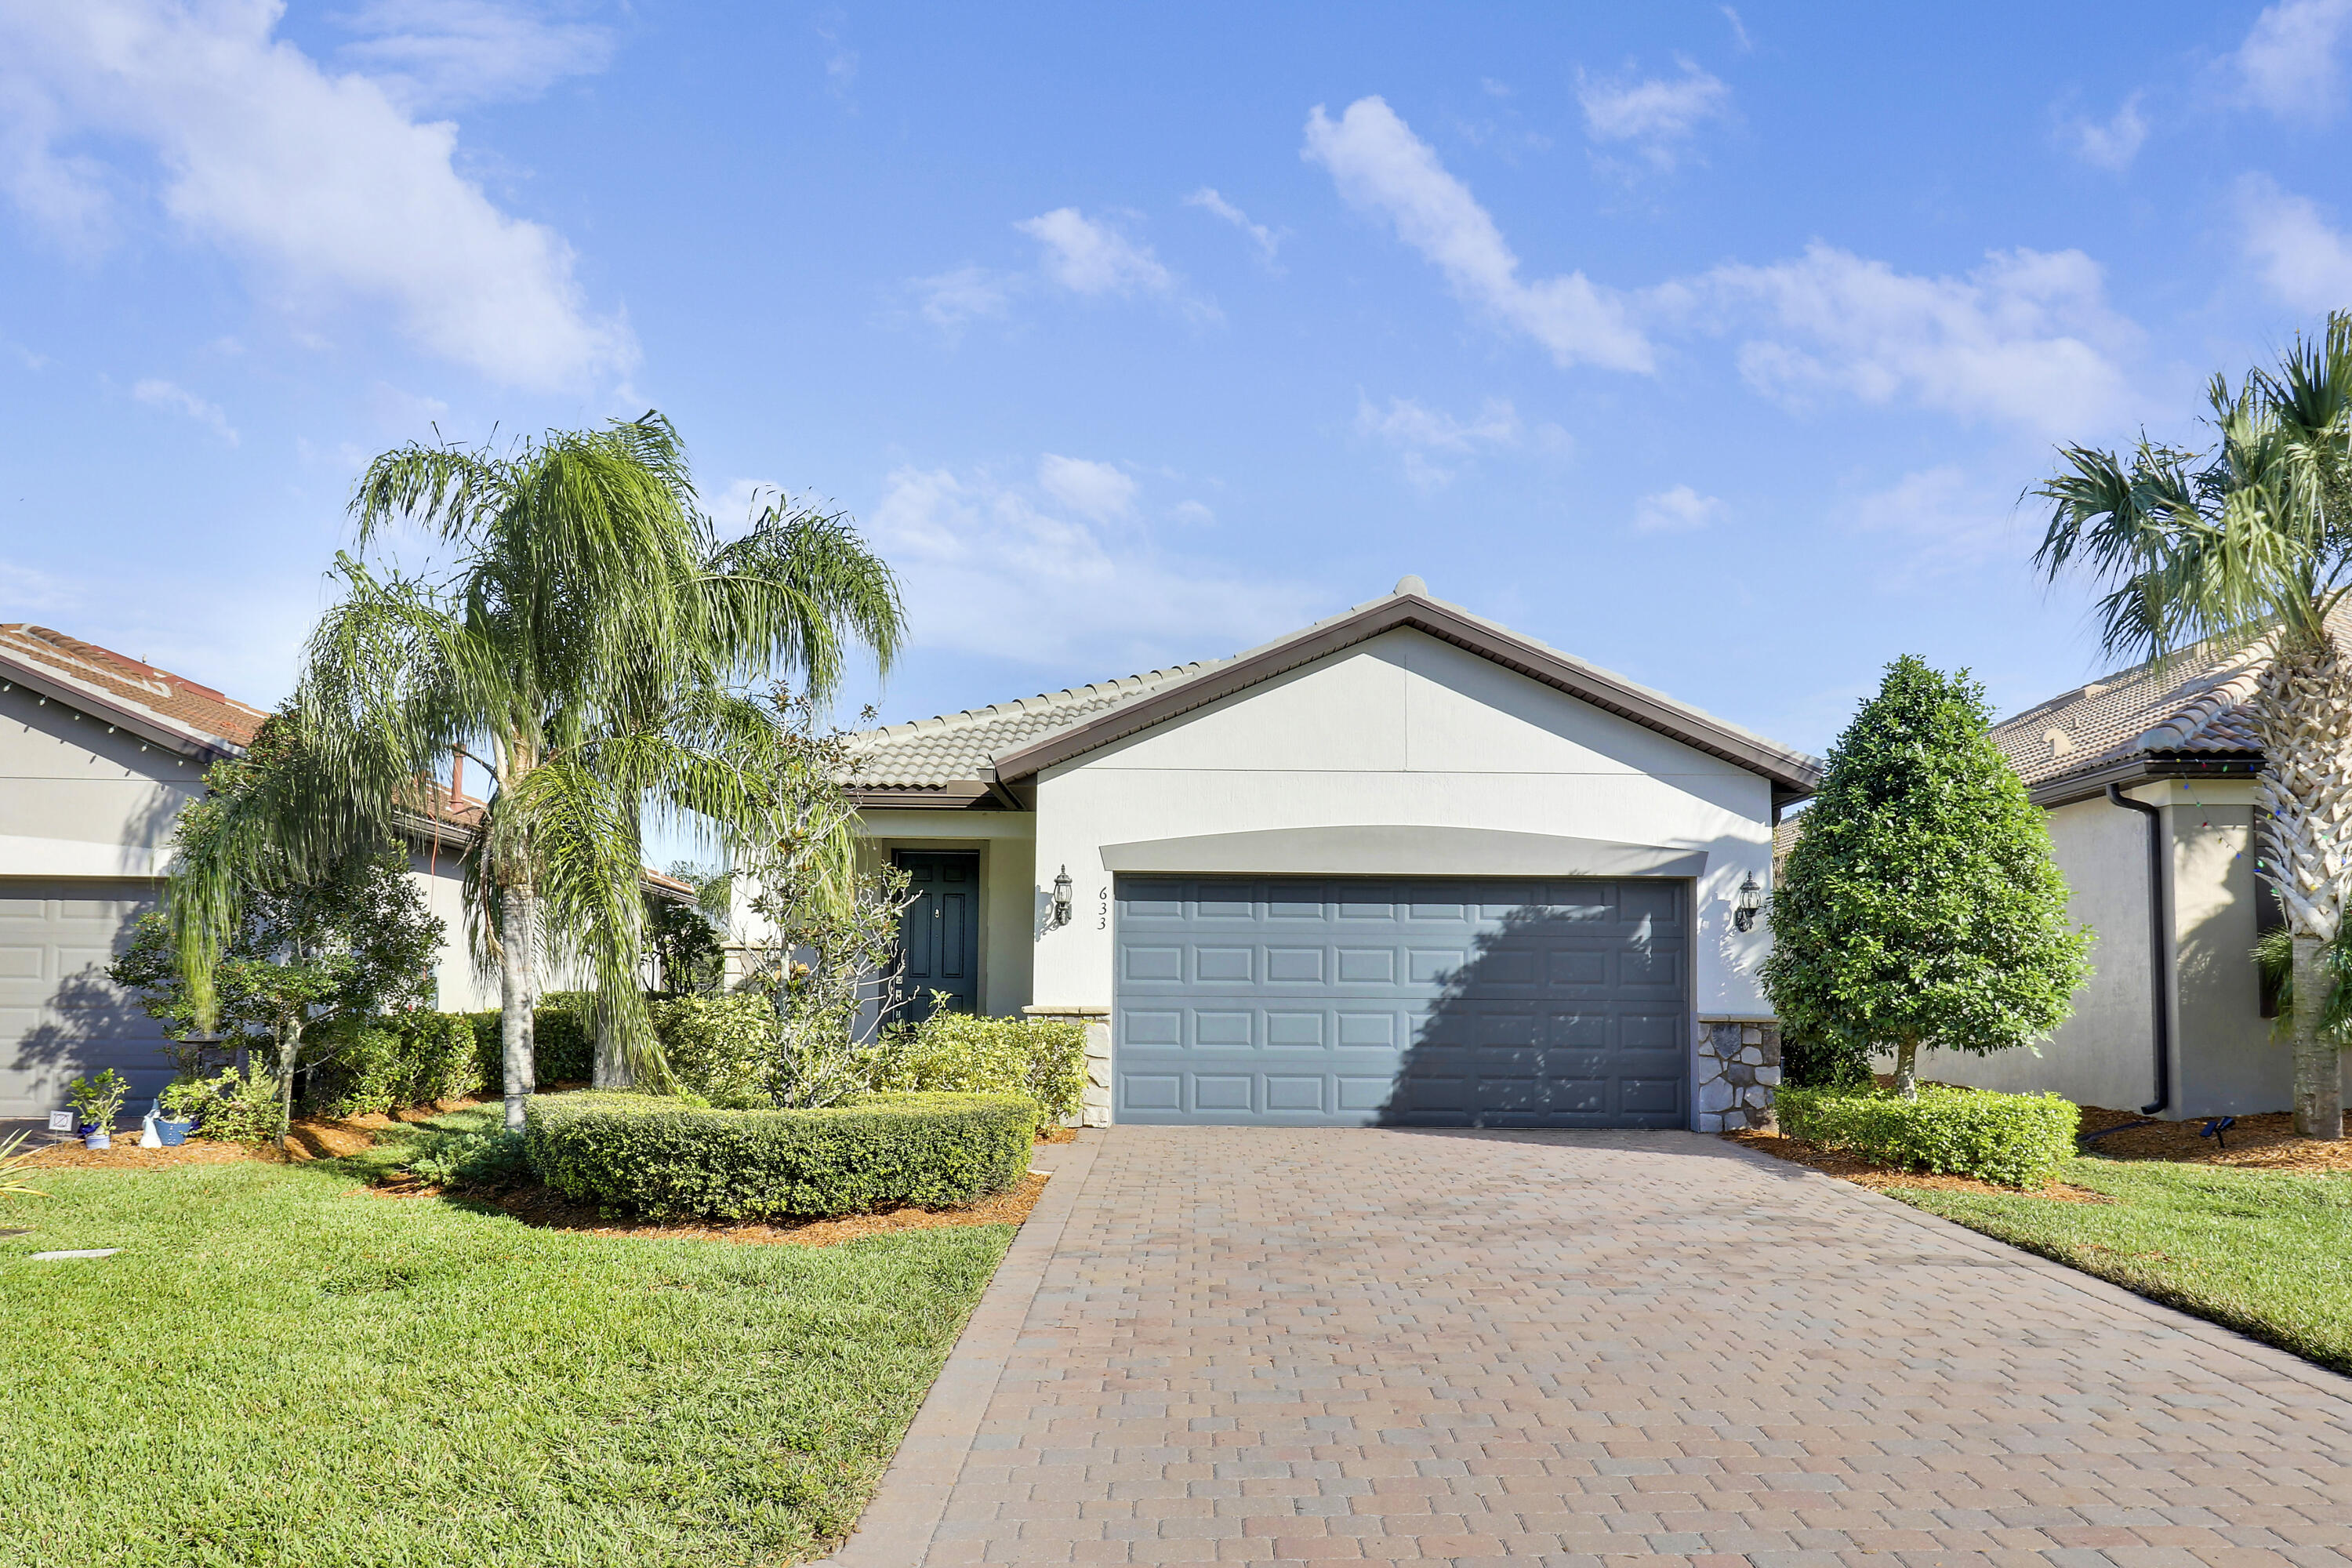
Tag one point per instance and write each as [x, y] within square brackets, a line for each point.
[77, 800]
[2101, 1056]
[1404, 729]
[1011, 899]
[2225, 1061]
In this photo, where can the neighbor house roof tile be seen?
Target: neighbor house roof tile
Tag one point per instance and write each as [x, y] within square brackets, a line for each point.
[2197, 702]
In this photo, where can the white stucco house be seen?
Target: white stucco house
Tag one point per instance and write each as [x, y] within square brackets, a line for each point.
[98, 753]
[2148, 779]
[1403, 865]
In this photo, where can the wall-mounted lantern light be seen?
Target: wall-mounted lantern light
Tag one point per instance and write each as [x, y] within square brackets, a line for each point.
[1061, 916]
[1749, 900]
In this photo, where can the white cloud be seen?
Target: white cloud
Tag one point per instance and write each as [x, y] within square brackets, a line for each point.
[2110, 144]
[1087, 257]
[325, 185]
[1949, 519]
[25, 591]
[1739, 37]
[1425, 435]
[164, 394]
[1380, 165]
[1677, 511]
[1207, 199]
[953, 299]
[2304, 262]
[443, 53]
[2288, 64]
[2027, 337]
[1096, 491]
[1656, 114]
[996, 569]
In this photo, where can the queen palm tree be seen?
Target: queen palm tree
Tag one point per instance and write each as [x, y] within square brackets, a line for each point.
[590, 649]
[2248, 545]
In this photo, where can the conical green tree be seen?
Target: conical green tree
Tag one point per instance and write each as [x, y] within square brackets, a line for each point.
[1920, 907]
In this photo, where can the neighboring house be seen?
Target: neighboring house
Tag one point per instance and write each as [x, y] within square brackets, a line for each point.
[1404, 866]
[97, 755]
[2174, 1015]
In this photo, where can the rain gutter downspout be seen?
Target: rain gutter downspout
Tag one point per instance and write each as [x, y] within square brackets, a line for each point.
[2158, 969]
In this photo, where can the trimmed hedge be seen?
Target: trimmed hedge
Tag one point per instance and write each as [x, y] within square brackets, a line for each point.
[406, 1058]
[666, 1156]
[959, 1053]
[2018, 1139]
[566, 1049]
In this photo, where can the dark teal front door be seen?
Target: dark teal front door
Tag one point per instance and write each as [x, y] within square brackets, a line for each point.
[940, 931]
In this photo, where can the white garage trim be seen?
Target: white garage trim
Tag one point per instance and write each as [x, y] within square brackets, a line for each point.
[1401, 850]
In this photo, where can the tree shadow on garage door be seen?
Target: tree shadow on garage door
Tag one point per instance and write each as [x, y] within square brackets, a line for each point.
[86, 1024]
[1562, 1015]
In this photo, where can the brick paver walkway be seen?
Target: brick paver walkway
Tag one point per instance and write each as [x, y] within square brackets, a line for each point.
[1258, 1346]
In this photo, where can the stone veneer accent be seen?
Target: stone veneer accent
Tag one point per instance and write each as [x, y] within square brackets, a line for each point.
[1097, 1110]
[1739, 1068]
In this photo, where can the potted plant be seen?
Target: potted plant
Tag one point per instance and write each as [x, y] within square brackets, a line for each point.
[98, 1101]
[176, 1109]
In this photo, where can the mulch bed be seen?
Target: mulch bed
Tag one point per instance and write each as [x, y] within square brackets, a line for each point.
[2257, 1142]
[1862, 1174]
[315, 1137]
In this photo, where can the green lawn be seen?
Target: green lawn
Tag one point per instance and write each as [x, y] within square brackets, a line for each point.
[2267, 1253]
[276, 1369]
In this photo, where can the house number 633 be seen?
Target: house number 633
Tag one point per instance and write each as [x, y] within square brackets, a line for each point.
[1102, 914]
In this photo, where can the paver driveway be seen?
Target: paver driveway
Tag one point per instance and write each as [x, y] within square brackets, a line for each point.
[1251, 1345]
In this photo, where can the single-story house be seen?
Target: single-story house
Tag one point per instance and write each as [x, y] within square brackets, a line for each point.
[98, 753]
[2148, 778]
[1403, 865]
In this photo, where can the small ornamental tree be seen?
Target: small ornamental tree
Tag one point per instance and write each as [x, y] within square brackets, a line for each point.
[1920, 906]
[354, 943]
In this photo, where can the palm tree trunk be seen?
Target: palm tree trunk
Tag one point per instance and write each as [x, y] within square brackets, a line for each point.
[1907, 1069]
[612, 1068]
[2318, 1074]
[2302, 714]
[290, 1051]
[518, 996]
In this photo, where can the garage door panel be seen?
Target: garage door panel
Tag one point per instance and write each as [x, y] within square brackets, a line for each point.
[60, 1015]
[1516, 1002]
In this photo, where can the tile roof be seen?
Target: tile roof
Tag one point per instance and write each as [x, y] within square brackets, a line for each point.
[930, 753]
[2195, 704]
[182, 704]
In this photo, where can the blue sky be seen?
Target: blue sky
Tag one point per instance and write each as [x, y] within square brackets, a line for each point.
[1714, 345]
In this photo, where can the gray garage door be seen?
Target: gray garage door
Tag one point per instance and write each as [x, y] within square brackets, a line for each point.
[59, 1015]
[1436, 1002]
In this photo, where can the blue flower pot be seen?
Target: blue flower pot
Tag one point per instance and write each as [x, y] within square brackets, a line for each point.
[98, 1138]
[174, 1133]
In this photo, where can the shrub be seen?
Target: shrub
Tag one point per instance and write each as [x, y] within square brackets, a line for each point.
[724, 1048]
[233, 1107]
[566, 1041]
[660, 1155]
[98, 1099]
[2019, 1139]
[482, 1159]
[959, 1053]
[1808, 1062]
[406, 1058]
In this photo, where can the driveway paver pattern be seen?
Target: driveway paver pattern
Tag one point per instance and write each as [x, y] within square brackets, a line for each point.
[1253, 1345]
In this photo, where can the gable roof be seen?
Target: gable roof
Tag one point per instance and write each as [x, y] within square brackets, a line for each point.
[153, 704]
[2192, 713]
[960, 757]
